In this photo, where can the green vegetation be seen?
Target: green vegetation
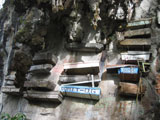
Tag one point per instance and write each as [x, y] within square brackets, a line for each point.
[18, 116]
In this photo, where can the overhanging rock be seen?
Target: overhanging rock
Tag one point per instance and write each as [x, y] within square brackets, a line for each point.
[85, 47]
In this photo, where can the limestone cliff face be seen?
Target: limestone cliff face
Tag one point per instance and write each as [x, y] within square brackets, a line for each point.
[28, 27]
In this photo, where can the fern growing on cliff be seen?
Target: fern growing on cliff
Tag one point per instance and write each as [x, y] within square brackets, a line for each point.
[18, 116]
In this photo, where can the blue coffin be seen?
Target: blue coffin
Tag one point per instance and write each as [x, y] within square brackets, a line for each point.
[81, 92]
[128, 70]
[129, 74]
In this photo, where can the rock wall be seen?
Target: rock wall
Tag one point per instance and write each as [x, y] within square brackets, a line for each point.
[28, 27]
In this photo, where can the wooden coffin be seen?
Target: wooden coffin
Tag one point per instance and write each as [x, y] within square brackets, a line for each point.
[130, 89]
[39, 85]
[44, 58]
[115, 68]
[76, 78]
[81, 68]
[11, 77]
[139, 24]
[85, 47]
[135, 42]
[53, 96]
[44, 68]
[135, 55]
[11, 90]
[130, 74]
[81, 92]
[139, 32]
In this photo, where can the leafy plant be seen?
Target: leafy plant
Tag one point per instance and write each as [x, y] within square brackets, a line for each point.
[18, 116]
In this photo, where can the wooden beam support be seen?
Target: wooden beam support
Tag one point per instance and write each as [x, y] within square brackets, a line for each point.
[85, 47]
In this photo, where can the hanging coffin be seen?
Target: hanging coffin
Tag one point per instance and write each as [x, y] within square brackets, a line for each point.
[130, 74]
[85, 47]
[81, 68]
[139, 24]
[53, 96]
[130, 89]
[81, 92]
[133, 56]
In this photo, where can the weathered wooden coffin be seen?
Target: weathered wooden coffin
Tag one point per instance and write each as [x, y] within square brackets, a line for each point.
[139, 24]
[44, 68]
[135, 42]
[130, 89]
[81, 92]
[85, 47]
[11, 90]
[130, 74]
[39, 85]
[76, 78]
[81, 68]
[44, 58]
[53, 96]
[139, 32]
[135, 55]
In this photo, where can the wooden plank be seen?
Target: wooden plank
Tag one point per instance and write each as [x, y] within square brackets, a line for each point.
[53, 96]
[135, 42]
[139, 32]
[75, 78]
[84, 82]
[44, 58]
[93, 93]
[85, 47]
[81, 68]
[134, 57]
[139, 24]
[42, 85]
[130, 89]
[11, 90]
[44, 68]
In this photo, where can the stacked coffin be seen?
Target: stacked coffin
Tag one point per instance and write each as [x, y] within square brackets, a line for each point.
[129, 76]
[85, 47]
[9, 87]
[39, 86]
[77, 79]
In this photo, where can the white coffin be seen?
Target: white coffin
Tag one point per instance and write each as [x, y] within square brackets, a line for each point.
[135, 55]
[81, 92]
